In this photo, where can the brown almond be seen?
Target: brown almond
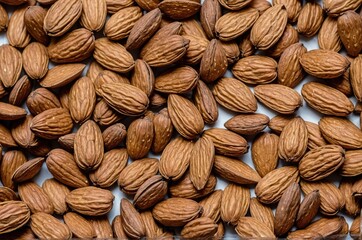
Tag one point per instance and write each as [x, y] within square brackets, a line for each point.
[34, 22]
[104, 115]
[152, 191]
[315, 138]
[293, 8]
[308, 209]
[197, 47]
[21, 133]
[61, 75]
[9, 112]
[7, 138]
[45, 226]
[205, 102]
[114, 135]
[79, 226]
[310, 19]
[211, 205]
[355, 74]
[35, 197]
[143, 77]
[40, 100]
[170, 82]
[35, 60]
[163, 129]
[114, 6]
[234, 5]
[117, 227]
[210, 12]
[94, 14]
[179, 9]
[56, 193]
[336, 8]
[4, 19]
[28, 170]
[131, 220]
[328, 37]
[11, 161]
[289, 37]
[199, 228]
[16, 33]
[250, 227]
[12, 64]
[262, 212]
[7, 194]
[14, 214]
[352, 206]
[352, 164]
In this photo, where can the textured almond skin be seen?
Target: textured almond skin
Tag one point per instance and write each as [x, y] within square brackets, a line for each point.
[152, 191]
[45, 226]
[196, 49]
[293, 8]
[135, 174]
[342, 83]
[246, 47]
[143, 77]
[250, 227]
[232, 51]
[352, 206]
[176, 211]
[170, 82]
[12, 63]
[201, 162]
[332, 200]
[166, 30]
[131, 220]
[214, 62]
[315, 138]
[61, 16]
[114, 135]
[79, 226]
[166, 52]
[28, 170]
[139, 137]
[94, 14]
[210, 12]
[234, 203]
[4, 19]
[328, 37]
[9, 112]
[147, 5]
[341, 131]
[324, 64]
[235, 24]
[14, 214]
[355, 77]
[293, 140]
[192, 27]
[102, 227]
[352, 163]
[72, 47]
[175, 158]
[355, 228]
[82, 100]
[326, 100]
[16, 32]
[125, 99]
[308, 209]
[104, 115]
[336, 8]
[163, 129]
[10, 139]
[262, 212]
[113, 56]
[34, 21]
[11, 161]
[289, 37]
[40, 100]
[114, 6]
[114, 161]
[62, 166]
[226, 142]
[255, 69]
[205, 103]
[310, 19]
[235, 171]
[143, 29]
[6, 194]
[290, 71]
[185, 117]
[61, 75]
[35, 60]
[234, 96]
[90, 201]
[35, 197]
[303, 233]
[94, 70]
[327, 226]
[287, 209]
[121, 23]
[199, 228]
[271, 187]
[234, 5]
[179, 9]
[279, 98]
[52, 123]
[117, 227]
[108, 76]
[269, 27]
[264, 152]
[211, 205]
[88, 146]
[56, 193]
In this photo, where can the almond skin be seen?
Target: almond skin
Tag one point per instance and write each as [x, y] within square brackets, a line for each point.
[11, 61]
[210, 12]
[28, 170]
[206, 103]
[56, 193]
[179, 9]
[163, 129]
[355, 77]
[35, 60]
[45, 226]
[289, 37]
[17, 34]
[170, 81]
[132, 222]
[248, 227]
[80, 227]
[336, 8]
[11, 161]
[308, 209]
[152, 191]
[94, 14]
[34, 21]
[328, 36]
[61, 75]
[234, 5]
[35, 197]
[199, 228]
[310, 19]
[40, 100]
[14, 214]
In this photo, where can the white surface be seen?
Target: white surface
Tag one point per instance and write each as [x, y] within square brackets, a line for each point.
[305, 112]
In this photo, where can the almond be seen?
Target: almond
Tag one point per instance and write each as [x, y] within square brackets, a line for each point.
[34, 22]
[293, 8]
[40, 100]
[315, 138]
[45, 226]
[12, 64]
[131, 220]
[35, 60]
[355, 74]
[328, 36]
[250, 227]
[210, 12]
[289, 37]
[170, 82]
[310, 19]
[152, 191]
[114, 135]
[179, 9]
[56, 193]
[336, 8]
[143, 77]
[6, 194]
[16, 32]
[308, 209]
[28, 170]
[196, 49]
[35, 197]
[352, 206]
[163, 129]
[352, 163]
[114, 6]
[61, 75]
[104, 115]
[199, 228]
[14, 214]
[234, 5]
[211, 205]
[262, 212]
[11, 161]
[94, 14]
[206, 103]
[80, 227]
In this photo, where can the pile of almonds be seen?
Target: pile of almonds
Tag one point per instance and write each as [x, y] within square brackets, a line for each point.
[155, 80]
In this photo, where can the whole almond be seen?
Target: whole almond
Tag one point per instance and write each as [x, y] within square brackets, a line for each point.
[170, 82]
[234, 5]
[117, 227]
[255, 69]
[262, 212]
[214, 62]
[7, 138]
[62, 166]
[90, 201]
[114, 135]
[290, 71]
[45, 226]
[289, 37]
[102, 227]
[250, 227]
[243, 100]
[206, 103]
[21, 133]
[131, 220]
[14, 214]
[328, 36]
[61, 75]
[11, 161]
[308, 209]
[94, 14]
[9, 112]
[234, 24]
[56, 193]
[114, 161]
[355, 77]
[163, 129]
[80, 227]
[12, 64]
[40, 100]
[35, 197]
[226, 142]
[349, 29]
[211, 205]
[197, 47]
[104, 115]
[107, 76]
[199, 228]
[269, 27]
[165, 31]
[34, 22]
[139, 138]
[310, 19]
[176, 211]
[264, 152]
[52, 123]
[315, 138]
[352, 163]
[61, 16]
[235, 171]
[82, 100]
[293, 8]
[143, 77]
[272, 186]
[147, 5]
[16, 32]
[175, 158]
[35, 60]
[341, 131]
[113, 56]
[185, 8]
[210, 12]
[28, 170]
[152, 191]
[135, 174]
[332, 200]
[279, 98]
[336, 8]
[125, 99]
